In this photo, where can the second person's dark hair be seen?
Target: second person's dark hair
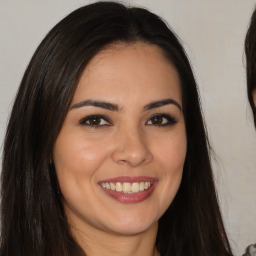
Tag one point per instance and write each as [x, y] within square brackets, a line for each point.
[250, 53]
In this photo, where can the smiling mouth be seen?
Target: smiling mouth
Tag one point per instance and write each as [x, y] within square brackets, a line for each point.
[127, 187]
[129, 190]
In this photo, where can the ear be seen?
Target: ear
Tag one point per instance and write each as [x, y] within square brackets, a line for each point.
[254, 96]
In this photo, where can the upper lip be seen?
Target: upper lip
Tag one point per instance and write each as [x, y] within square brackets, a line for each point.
[130, 179]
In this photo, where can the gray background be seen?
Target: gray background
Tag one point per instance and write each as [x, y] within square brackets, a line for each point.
[213, 34]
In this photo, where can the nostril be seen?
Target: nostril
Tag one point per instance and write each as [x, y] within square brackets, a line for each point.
[130, 161]
[122, 161]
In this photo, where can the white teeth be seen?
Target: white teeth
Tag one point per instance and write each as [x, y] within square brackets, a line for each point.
[135, 187]
[126, 187]
[119, 187]
[142, 187]
[112, 186]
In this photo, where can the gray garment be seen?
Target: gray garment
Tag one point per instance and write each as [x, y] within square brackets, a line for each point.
[250, 250]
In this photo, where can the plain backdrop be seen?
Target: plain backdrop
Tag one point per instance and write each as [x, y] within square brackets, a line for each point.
[212, 32]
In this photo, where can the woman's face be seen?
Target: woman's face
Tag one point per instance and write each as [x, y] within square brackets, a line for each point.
[119, 155]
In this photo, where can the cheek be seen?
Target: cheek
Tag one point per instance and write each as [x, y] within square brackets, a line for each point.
[171, 152]
[77, 159]
[171, 156]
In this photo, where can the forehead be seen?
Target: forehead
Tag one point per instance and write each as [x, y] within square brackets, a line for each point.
[112, 54]
[131, 69]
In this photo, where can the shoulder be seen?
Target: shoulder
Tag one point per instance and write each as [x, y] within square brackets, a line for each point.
[250, 250]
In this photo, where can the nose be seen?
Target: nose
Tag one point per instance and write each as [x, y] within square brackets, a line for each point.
[132, 148]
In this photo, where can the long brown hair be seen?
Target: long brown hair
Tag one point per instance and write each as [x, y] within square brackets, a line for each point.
[32, 215]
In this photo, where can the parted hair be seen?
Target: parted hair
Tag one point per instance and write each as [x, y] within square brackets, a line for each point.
[33, 221]
[250, 53]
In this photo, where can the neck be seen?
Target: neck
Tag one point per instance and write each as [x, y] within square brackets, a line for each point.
[98, 242]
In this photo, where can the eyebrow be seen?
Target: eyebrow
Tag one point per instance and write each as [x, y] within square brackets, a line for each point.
[115, 107]
[96, 103]
[160, 103]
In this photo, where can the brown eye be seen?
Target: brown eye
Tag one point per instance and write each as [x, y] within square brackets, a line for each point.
[95, 121]
[161, 120]
[157, 120]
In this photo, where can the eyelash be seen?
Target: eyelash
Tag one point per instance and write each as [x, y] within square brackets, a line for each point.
[169, 120]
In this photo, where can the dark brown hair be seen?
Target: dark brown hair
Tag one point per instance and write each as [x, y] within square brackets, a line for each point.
[32, 215]
[250, 53]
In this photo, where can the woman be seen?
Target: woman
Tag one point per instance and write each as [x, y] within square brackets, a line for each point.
[106, 152]
[250, 52]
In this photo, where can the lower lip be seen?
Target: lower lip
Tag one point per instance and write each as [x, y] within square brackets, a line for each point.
[130, 198]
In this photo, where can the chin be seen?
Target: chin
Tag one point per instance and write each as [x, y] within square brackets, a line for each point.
[132, 226]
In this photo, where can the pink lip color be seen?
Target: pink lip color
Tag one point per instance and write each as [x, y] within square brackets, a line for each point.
[130, 198]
